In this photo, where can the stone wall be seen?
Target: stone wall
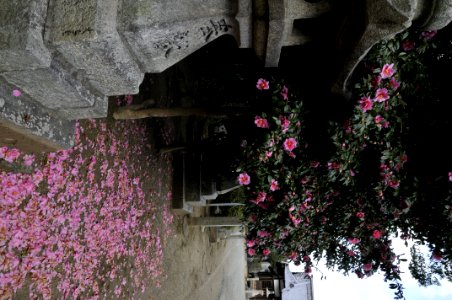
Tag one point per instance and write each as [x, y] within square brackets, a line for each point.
[67, 57]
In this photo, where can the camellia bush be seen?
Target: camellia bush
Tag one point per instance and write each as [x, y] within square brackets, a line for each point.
[374, 182]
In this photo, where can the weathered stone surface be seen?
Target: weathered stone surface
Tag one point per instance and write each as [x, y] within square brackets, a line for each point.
[32, 117]
[386, 18]
[84, 33]
[245, 20]
[441, 15]
[21, 42]
[281, 31]
[14, 136]
[161, 33]
[56, 90]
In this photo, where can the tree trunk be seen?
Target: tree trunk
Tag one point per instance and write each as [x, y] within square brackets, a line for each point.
[126, 113]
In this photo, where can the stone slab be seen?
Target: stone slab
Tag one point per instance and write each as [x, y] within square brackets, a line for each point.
[33, 118]
[14, 136]
[163, 45]
[21, 35]
[84, 33]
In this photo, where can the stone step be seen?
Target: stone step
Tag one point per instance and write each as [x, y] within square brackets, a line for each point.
[25, 117]
[21, 41]
[179, 204]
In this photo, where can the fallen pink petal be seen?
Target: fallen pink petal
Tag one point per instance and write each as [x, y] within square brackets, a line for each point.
[16, 93]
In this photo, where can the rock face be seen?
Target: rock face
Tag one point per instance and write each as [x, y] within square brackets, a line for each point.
[66, 57]
[383, 19]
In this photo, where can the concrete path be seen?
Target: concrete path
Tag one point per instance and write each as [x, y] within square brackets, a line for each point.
[227, 280]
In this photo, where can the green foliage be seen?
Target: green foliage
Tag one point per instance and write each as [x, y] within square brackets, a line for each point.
[347, 207]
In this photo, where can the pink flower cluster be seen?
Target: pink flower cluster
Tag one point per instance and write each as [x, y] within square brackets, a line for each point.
[382, 94]
[261, 122]
[244, 179]
[262, 84]
[82, 218]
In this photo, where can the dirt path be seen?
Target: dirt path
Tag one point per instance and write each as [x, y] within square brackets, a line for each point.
[196, 269]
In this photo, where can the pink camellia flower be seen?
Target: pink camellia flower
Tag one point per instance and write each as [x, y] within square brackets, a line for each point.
[379, 119]
[375, 81]
[394, 84]
[428, 35]
[29, 159]
[261, 196]
[450, 176]
[436, 255]
[359, 274]
[14, 192]
[376, 234]
[360, 215]
[387, 71]
[290, 144]
[295, 220]
[3, 151]
[367, 267]
[266, 252]
[261, 122]
[251, 251]
[354, 241]
[394, 183]
[16, 93]
[244, 179]
[408, 45]
[262, 84]
[284, 124]
[12, 154]
[250, 243]
[381, 95]
[269, 154]
[274, 185]
[38, 176]
[347, 127]
[262, 233]
[284, 93]
[365, 104]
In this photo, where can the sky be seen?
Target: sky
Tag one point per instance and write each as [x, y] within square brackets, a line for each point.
[338, 286]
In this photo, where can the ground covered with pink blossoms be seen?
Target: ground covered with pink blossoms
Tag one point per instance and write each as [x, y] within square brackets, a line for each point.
[89, 222]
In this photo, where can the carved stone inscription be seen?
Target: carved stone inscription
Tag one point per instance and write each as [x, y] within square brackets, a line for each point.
[184, 39]
[176, 41]
[214, 28]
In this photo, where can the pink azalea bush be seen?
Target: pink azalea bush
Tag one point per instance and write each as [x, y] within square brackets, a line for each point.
[85, 218]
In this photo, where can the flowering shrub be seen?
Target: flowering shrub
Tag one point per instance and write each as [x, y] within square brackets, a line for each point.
[346, 207]
[85, 219]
